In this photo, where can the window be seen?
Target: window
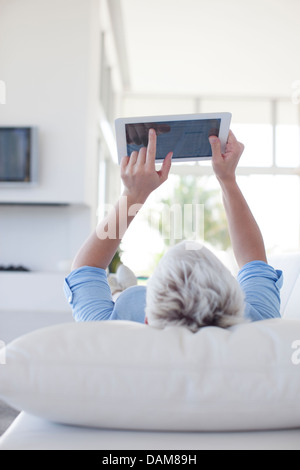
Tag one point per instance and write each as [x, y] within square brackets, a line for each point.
[274, 200]
[287, 135]
[268, 174]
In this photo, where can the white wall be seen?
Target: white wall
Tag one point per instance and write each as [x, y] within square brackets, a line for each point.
[44, 60]
[41, 237]
[50, 57]
[49, 60]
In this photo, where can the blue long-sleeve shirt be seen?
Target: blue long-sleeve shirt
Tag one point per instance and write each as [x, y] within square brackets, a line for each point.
[90, 297]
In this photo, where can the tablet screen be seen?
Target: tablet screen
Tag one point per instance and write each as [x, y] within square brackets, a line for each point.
[186, 139]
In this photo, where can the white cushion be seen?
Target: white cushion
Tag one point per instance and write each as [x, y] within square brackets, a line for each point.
[127, 375]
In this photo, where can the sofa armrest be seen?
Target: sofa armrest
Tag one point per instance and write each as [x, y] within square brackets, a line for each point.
[289, 263]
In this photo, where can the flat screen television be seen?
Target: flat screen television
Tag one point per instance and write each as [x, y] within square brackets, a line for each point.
[18, 155]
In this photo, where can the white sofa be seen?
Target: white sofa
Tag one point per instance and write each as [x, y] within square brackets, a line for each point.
[119, 385]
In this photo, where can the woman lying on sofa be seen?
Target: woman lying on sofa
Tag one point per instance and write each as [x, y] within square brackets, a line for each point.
[190, 286]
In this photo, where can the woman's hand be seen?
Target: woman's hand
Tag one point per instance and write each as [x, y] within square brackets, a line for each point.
[139, 174]
[140, 178]
[224, 165]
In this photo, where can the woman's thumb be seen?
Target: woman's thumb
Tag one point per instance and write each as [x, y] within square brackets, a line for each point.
[215, 146]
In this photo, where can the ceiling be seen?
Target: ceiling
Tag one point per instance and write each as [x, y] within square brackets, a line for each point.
[212, 47]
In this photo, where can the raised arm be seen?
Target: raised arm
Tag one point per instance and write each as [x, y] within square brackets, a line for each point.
[246, 237]
[140, 178]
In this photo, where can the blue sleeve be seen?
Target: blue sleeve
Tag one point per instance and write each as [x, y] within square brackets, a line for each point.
[261, 285]
[89, 294]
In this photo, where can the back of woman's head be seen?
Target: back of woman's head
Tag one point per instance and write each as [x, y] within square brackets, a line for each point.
[191, 287]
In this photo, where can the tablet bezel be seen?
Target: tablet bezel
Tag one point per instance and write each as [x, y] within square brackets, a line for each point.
[121, 132]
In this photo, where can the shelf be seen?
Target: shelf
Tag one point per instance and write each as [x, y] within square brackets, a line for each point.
[32, 291]
[36, 204]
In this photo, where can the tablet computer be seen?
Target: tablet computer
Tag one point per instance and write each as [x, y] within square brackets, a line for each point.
[186, 135]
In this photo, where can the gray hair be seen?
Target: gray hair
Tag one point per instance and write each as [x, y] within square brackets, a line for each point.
[191, 287]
